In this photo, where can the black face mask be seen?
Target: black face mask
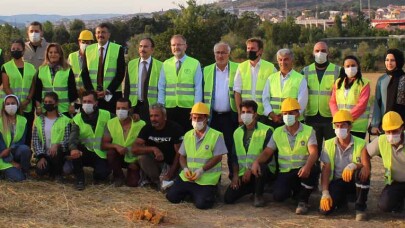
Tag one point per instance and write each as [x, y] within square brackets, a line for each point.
[49, 107]
[16, 54]
[252, 55]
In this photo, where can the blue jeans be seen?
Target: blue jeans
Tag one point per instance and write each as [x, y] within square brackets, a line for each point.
[14, 174]
[22, 155]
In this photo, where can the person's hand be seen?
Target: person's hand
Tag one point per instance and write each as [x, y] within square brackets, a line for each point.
[235, 183]
[304, 171]
[158, 154]
[24, 104]
[53, 150]
[16, 165]
[246, 177]
[121, 150]
[375, 131]
[135, 117]
[197, 174]
[41, 163]
[188, 174]
[38, 110]
[326, 201]
[5, 153]
[347, 174]
[240, 120]
[256, 169]
[101, 94]
[75, 154]
[365, 173]
[276, 118]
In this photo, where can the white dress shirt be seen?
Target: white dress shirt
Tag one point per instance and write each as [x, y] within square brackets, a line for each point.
[221, 103]
[140, 68]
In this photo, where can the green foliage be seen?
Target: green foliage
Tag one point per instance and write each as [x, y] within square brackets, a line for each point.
[48, 31]
[61, 35]
[7, 34]
[69, 48]
[367, 62]
[75, 28]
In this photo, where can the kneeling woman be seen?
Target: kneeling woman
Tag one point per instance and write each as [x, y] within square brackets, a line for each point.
[15, 155]
[50, 137]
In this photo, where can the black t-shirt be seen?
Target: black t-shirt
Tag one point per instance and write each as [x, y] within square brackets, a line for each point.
[163, 139]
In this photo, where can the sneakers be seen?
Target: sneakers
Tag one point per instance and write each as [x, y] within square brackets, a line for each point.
[258, 201]
[361, 216]
[302, 208]
[80, 185]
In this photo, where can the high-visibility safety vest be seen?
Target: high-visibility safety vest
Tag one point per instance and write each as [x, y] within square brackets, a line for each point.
[292, 158]
[133, 73]
[180, 89]
[209, 72]
[92, 139]
[74, 60]
[59, 85]
[386, 154]
[57, 130]
[290, 89]
[330, 149]
[196, 158]
[319, 93]
[349, 102]
[117, 135]
[21, 124]
[19, 84]
[110, 63]
[266, 69]
[246, 159]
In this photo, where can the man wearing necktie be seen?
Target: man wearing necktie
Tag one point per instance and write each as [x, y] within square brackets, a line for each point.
[104, 68]
[141, 79]
[180, 83]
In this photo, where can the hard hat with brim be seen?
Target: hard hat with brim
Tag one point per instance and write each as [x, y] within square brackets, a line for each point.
[391, 121]
[342, 116]
[290, 104]
[200, 108]
[86, 35]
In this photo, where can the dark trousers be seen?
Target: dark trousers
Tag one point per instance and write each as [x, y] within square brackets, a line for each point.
[289, 184]
[180, 116]
[142, 109]
[203, 195]
[361, 135]
[110, 106]
[226, 123]
[53, 167]
[116, 163]
[88, 158]
[150, 167]
[323, 130]
[392, 197]
[30, 121]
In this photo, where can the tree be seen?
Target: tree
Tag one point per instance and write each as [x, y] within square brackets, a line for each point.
[247, 25]
[7, 34]
[47, 28]
[61, 35]
[75, 28]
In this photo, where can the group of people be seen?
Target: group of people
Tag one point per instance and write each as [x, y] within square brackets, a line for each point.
[170, 123]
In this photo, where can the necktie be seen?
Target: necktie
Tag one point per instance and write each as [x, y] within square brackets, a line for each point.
[178, 67]
[144, 75]
[100, 72]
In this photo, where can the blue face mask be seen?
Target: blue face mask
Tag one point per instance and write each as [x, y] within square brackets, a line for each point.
[289, 120]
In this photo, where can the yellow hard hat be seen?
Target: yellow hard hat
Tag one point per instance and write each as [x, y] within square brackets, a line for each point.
[290, 104]
[342, 116]
[200, 108]
[86, 35]
[391, 121]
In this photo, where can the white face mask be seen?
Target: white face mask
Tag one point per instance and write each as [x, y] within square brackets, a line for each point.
[11, 109]
[198, 126]
[351, 71]
[121, 114]
[341, 133]
[83, 47]
[247, 118]
[393, 139]
[321, 57]
[35, 37]
[289, 120]
[88, 108]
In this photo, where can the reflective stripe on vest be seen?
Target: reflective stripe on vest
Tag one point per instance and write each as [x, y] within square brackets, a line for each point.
[76, 68]
[57, 130]
[117, 135]
[110, 63]
[196, 158]
[352, 99]
[386, 154]
[133, 72]
[209, 83]
[266, 69]
[292, 158]
[330, 149]
[91, 139]
[19, 84]
[59, 85]
[319, 94]
[180, 88]
[21, 124]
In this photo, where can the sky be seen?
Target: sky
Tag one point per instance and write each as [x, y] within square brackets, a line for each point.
[76, 7]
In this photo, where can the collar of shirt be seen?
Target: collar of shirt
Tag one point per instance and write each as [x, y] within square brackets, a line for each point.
[182, 59]
[223, 71]
[300, 128]
[286, 76]
[245, 129]
[348, 146]
[104, 46]
[257, 64]
[147, 60]
[399, 148]
[202, 137]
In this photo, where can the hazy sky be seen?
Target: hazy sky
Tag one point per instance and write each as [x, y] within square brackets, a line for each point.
[74, 7]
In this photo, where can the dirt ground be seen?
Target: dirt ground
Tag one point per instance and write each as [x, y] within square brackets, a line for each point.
[47, 204]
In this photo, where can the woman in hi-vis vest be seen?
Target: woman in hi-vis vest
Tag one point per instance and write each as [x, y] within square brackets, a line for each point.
[15, 156]
[351, 92]
[55, 75]
[18, 79]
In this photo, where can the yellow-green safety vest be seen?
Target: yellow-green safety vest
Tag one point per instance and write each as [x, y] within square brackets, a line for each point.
[292, 158]
[59, 85]
[133, 71]
[57, 130]
[19, 84]
[180, 89]
[196, 158]
[266, 69]
[74, 60]
[209, 72]
[386, 154]
[21, 124]
[319, 93]
[352, 99]
[92, 139]
[110, 63]
[117, 135]
[330, 149]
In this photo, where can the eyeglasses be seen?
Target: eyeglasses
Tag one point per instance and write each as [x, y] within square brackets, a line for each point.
[176, 45]
[220, 53]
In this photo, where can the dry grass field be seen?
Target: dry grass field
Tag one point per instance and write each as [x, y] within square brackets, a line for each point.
[37, 203]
